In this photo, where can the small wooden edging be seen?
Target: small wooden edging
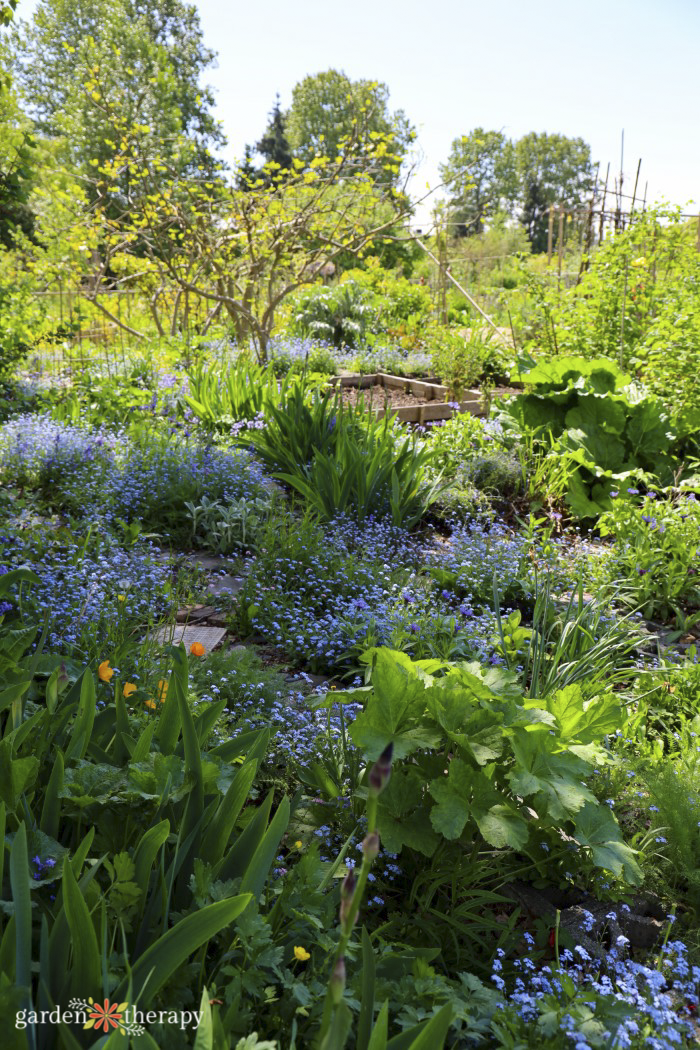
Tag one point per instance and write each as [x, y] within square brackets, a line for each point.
[436, 406]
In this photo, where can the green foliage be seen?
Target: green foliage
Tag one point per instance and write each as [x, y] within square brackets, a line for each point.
[226, 527]
[487, 173]
[296, 430]
[653, 566]
[22, 313]
[480, 176]
[637, 303]
[552, 169]
[329, 108]
[570, 641]
[370, 472]
[460, 358]
[341, 315]
[136, 802]
[244, 391]
[606, 428]
[459, 439]
[148, 56]
[501, 751]
[674, 850]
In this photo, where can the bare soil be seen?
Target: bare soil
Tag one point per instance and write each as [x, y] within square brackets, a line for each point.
[377, 396]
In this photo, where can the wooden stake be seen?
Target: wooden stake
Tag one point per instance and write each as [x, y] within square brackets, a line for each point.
[560, 238]
[550, 231]
[602, 207]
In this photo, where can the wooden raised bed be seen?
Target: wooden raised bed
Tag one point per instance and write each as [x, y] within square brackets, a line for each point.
[427, 402]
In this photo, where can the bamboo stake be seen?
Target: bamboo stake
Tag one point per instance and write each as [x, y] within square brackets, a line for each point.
[550, 231]
[464, 292]
[602, 208]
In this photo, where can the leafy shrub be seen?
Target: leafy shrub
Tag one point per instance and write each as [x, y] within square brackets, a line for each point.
[655, 564]
[459, 439]
[339, 315]
[22, 312]
[297, 429]
[497, 473]
[226, 527]
[104, 800]
[370, 472]
[570, 641]
[606, 429]
[461, 358]
[501, 751]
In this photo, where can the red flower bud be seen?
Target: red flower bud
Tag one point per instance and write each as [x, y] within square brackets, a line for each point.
[380, 772]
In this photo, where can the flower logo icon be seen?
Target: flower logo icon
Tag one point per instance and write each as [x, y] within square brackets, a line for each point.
[107, 1016]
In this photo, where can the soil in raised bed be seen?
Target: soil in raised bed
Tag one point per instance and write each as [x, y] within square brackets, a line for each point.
[378, 396]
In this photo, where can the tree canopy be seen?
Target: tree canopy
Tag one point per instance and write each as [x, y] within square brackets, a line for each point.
[146, 58]
[486, 173]
[329, 109]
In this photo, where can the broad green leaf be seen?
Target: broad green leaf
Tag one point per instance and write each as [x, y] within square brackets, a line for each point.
[21, 897]
[596, 827]
[16, 774]
[503, 826]
[258, 869]
[452, 795]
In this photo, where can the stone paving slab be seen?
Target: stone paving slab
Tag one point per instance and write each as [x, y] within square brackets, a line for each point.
[209, 637]
[195, 613]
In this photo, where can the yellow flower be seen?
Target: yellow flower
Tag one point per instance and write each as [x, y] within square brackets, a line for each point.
[197, 649]
[104, 671]
[121, 597]
[151, 704]
[301, 954]
[129, 688]
[297, 844]
[162, 689]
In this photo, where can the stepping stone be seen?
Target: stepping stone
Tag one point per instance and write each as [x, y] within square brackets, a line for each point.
[209, 637]
[194, 613]
[208, 561]
[225, 585]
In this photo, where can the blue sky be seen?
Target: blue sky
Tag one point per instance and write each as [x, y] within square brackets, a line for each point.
[578, 69]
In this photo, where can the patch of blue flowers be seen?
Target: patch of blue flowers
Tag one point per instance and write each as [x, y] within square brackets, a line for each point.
[108, 475]
[88, 588]
[325, 595]
[621, 1003]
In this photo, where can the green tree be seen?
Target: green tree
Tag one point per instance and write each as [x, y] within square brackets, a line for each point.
[329, 110]
[274, 146]
[17, 165]
[551, 169]
[481, 179]
[147, 56]
[242, 251]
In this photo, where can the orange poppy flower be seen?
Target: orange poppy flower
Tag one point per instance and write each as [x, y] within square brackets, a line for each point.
[129, 688]
[104, 671]
[197, 649]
